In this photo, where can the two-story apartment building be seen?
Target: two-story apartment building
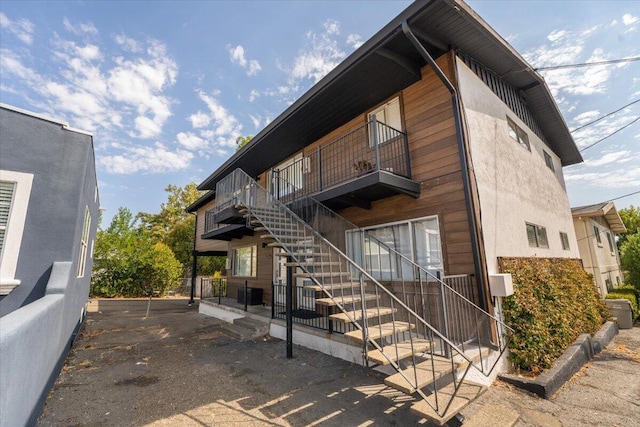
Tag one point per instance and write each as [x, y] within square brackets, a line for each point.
[596, 227]
[48, 221]
[393, 186]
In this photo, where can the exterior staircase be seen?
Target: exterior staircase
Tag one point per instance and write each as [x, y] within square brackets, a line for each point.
[414, 327]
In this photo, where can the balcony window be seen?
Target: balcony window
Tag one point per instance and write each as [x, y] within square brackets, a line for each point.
[390, 115]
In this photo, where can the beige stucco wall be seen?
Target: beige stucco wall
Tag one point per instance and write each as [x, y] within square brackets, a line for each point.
[514, 185]
[597, 258]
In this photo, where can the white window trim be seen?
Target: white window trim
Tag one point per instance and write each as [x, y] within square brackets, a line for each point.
[254, 261]
[84, 242]
[15, 228]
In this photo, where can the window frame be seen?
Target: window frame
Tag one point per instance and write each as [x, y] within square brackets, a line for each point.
[596, 233]
[14, 229]
[610, 241]
[516, 133]
[538, 232]
[383, 108]
[548, 160]
[253, 263]
[564, 239]
[84, 242]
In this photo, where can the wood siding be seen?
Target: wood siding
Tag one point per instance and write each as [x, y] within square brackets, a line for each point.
[204, 244]
[264, 267]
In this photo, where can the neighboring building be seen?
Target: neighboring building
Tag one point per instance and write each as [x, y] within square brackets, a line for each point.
[438, 140]
[596, 226]
[48, 219]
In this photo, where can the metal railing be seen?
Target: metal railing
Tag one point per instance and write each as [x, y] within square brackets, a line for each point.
[211, 287]
[392, 320]
[369, 148]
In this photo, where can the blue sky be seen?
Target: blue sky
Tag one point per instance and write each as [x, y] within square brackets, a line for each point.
[166, 87]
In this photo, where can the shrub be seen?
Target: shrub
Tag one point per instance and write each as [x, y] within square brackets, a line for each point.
[626, 292]
[554, 301]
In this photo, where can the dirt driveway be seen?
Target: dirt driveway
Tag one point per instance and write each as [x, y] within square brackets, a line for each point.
[178, 367]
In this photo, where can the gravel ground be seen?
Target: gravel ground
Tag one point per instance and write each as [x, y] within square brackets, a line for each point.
[179, 368]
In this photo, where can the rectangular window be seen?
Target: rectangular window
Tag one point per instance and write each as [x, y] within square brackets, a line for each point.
[288, 176]
[517, 134]
[244, 261]
[565, 241]
[537, 236]
[596, 232]
[413, 241]
[548, 160]
[6, 198]
[610, 241]
[389, 115]
[84, 242]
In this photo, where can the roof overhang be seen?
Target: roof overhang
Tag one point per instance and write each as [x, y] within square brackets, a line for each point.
[607, 210]
[388, 63]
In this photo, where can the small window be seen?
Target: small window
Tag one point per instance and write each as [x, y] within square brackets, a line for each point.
[537, 236]
[618, 280]
[244, 261]
[610, 241]
[391, 119]
[6, 197]
[596, 232]
[548, 160]
[517, 134]
[84, 242]
[565, 241]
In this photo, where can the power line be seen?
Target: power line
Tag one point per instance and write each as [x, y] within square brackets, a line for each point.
[588, 64]
[605, 116]
[626, 195]
[611, 134]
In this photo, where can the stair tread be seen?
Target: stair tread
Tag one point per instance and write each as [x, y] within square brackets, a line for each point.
[304, 255]
[425, 372]
[468, 392]
[404, 349]
[333, 286]
[311, 264]
[322, 274]
[380, 331]
[347, 299]
[357, 314]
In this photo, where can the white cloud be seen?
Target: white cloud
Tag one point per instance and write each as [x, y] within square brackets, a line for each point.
[615, 157]
[332, 27]
[628, 19]
[253, 95]
[255, 120]
[190, 141]
[127, 43]
[321, 55]
[23, 29]
[154, 159]
[354, 40]
[81, 28]
[237, 57]
[199, 120]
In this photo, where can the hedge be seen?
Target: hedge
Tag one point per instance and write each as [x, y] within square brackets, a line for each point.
[554, 301]
[627, 292]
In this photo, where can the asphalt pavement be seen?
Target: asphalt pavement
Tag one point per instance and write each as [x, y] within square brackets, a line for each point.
[180, 368]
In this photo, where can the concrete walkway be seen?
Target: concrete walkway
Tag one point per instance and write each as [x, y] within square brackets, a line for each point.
[180, 368]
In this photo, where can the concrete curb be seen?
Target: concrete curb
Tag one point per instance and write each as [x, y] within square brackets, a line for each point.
[580, 352]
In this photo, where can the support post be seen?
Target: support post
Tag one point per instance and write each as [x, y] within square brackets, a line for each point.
[289, 309]
[194, 271]
[246, 295]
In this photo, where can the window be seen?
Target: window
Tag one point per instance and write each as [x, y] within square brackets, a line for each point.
[610, 241]
[596, 232]
[548, 160]
[565, 241]
[288, 177]
[417, 240]
[15, 190]
[389, 115]
[537, 236]
[84, 242]
[517, 134]
[244, 261]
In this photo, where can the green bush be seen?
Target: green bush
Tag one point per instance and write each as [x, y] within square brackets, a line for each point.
[626, 292]
[554, 301]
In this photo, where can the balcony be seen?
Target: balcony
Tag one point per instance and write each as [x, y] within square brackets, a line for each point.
[367, 164]
[225, 223]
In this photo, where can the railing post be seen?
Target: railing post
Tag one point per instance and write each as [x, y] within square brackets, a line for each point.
[406, 154]
[365, 326]
[246, 296]
[289, 309]
[319, 168]
[273, 300]
[376, 139]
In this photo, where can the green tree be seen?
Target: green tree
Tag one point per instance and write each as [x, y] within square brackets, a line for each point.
[631, 219]
[241, 141]
[630, 260]
[128, 262]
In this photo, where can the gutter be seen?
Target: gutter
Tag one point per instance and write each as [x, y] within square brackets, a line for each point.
[479, 271]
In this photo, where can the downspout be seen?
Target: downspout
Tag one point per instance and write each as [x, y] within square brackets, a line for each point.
[194, 265]
[463, 159]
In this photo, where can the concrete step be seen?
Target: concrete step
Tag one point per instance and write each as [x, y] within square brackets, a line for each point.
[426, 373]
[344, 300]
[246, 328]
[380, 331]
[357, 314]
[398, 352]
[467, 393]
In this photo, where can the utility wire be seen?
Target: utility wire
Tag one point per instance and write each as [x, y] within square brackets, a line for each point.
[605, 116]
[611, 134]
[588, 64]
[610, 200]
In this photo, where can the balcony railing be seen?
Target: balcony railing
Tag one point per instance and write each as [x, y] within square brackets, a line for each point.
[370, 148]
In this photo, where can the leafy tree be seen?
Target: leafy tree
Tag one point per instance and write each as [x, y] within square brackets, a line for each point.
[630, 260]
[631, 219]
[241, 141]
[129, 263]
